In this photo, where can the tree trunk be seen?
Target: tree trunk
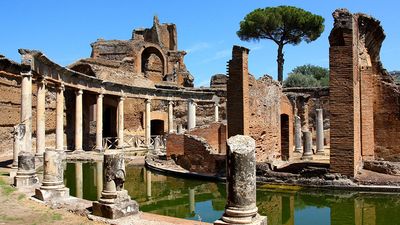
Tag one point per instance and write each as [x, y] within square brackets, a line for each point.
[280, 61]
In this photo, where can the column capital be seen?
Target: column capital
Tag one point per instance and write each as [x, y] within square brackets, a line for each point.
[100, 95]
[147, 101]
[171, 102]
[191, 100]
[61, 87]
[79, 92]
[122, 98]
[41, 80]
[26, 74]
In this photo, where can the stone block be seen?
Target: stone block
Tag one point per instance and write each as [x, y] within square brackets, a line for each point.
[122, 206]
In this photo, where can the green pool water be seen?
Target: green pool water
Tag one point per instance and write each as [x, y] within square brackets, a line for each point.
[205, 200]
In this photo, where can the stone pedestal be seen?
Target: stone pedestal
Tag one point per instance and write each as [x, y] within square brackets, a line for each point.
[53, 177]
[115, 201]
[307, 146]
[320, 131]
[26, 174]
[297, 134]
[241, 183]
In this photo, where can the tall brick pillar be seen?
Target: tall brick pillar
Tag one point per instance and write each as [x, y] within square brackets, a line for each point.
[344, 95]
[238, 92]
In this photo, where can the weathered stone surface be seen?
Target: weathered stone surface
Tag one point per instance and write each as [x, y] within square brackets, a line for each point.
[241, 183]
[115, 201]
[219, 81]
[26, 174]
[386, 167]
[307, 146]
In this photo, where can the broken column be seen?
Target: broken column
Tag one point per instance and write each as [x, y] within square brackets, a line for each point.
[53, 176]
[191, 114]
[26, 174]
[18, 135]
[297, 134]
[115, 201]
[320, 131]
[241, 183]
[307, 146]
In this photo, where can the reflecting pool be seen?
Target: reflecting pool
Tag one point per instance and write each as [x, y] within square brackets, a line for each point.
[205, 200]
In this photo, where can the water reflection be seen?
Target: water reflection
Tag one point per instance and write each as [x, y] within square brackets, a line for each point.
[205, 201]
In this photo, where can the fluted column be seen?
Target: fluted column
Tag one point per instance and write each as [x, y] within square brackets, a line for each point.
[26, 110]
[191, 114]
[320, 131]
[121, 122]
[78, 121]
[147, 116]
[60, 118]
[170, 116]
[99, 123]
[40, 117]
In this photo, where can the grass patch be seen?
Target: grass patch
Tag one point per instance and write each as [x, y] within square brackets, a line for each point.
[21, 196]
[9, 218]
[6, 188]
[56, 216]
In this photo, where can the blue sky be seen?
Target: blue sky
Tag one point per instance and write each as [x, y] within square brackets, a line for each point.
[63, 30]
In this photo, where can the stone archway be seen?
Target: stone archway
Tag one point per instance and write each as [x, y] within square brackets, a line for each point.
[152, 65]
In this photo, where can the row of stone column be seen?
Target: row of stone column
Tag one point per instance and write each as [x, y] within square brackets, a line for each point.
[26, 117]
[305, 143]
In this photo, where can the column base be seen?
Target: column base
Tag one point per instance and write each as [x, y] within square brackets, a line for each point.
[77, 151]
[320, 152]
[49, 193]
[119, 207]
[39, 155]
[25, 180]
[307, 157]
[256, 220]
[298, 150]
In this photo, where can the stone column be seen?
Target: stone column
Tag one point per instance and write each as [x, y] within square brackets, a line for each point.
[79, 179]
[121, 122]
[60, 118]
[179, 129]
[307, 146]
[170, 116]
[297, 134]
[216, 112]
[26, 110]
[147, 116]
[99, 178]
[40, 117]
[115, 201]
[320, 131]
[18, 142]
[191, 114]
[148, 183]
[53, 176]
[78, 121]
[99, 123]
[241, 183]
[26, 174]
[192, 201]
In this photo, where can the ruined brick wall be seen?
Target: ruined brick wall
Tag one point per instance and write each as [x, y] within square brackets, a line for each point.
[238, 93]
[214, 134]
[267, 103]
[344, 95]
[194, 154]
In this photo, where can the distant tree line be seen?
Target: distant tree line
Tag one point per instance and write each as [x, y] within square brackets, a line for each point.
[307, 76]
